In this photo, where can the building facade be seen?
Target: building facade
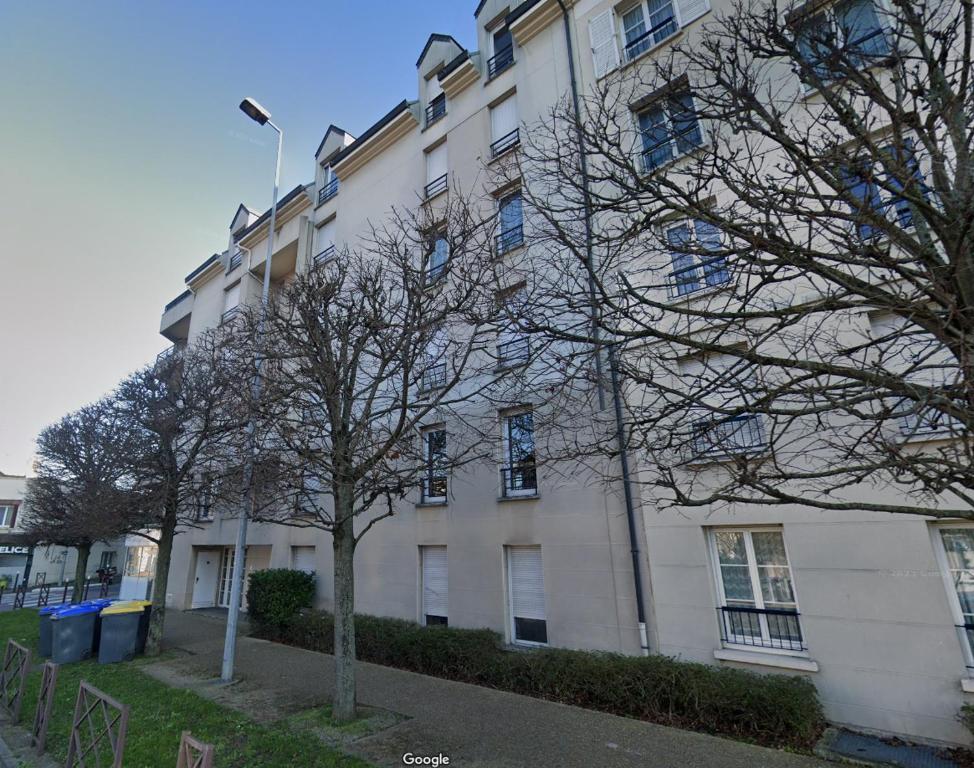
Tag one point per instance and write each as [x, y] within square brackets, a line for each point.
[870, 607]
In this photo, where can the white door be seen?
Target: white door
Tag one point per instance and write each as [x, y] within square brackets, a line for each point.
[207, 572]
[435, 589]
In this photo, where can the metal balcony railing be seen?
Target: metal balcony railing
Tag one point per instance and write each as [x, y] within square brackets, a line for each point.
[509, 239]
[500, 61]
[519, 480]
[326, 255]
[505, 143]
[433, 377]
[435, 271]
[435, 187]
[698, 275]
[328, 191]
[732, 436]
[433, 487]
[436, 109]
[761, 627]
[656, 34]
[514, 352]
[235, 261]
[227, 316]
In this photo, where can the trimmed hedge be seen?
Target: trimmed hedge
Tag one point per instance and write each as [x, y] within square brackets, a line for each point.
[274, 596]
[776, 710]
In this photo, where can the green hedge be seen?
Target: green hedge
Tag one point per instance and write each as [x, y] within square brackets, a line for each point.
[776, 710]
[274, 596]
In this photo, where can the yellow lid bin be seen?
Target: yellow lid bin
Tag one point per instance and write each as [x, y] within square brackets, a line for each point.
[125, 606]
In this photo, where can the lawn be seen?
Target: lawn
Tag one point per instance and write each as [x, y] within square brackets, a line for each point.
[160, 713]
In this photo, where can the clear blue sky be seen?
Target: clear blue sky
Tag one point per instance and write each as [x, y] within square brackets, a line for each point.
[123, 157]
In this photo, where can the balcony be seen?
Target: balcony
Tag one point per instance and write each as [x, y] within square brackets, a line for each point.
[653, 36]
[734, 436]
[695, 276]
[433, 488]
[436, 109]
[436, 187]
[514, 352]
[509, 239]
[235, 261]
[174, 324]
[229, 315]
[505, 143]
[325, 256]
[519, 480]
[500, 61]
[776, 628]
[328, 191]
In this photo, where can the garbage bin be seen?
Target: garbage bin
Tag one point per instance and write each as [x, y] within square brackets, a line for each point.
[119, 631]
[44, 644]
[143, 624]
[73, 633]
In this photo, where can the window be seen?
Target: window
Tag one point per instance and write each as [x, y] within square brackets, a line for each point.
[235, 260]
[502, 52]
[303, 559]
[668, 129]
[513, 345]
[437, 258]
[519, 473]
[525, 577]
[436, 171]
[957, 556]
[435, 595]
[510, 222]
[848, 32]
[503, 127]
[646, 25]
[107, 560]
[326, 243]
[7, 516]
[758, 606]
[141, 562]
[434, 361]
[435, 101]
[883, 189]
[204, 499]
[329, 184]
[434, 465]
[693, 269]
[231, 302]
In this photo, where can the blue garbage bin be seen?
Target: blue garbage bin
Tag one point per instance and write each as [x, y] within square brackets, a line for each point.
[73, 633]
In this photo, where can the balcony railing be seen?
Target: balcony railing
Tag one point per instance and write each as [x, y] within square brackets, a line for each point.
[698, 275]
[235, 261]
[505, 143]
[519, 480]
[326, 255]
[227, 316]
[435, 271]
[433, 488]
[436, 109]
[433, 377]
[761, 627]
[514, 352]
[436, 187]
[328, 191]
[737, 435]
[651, 37]
[510, 239]
[500, 61]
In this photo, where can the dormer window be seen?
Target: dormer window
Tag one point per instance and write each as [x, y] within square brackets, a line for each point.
[502, 52]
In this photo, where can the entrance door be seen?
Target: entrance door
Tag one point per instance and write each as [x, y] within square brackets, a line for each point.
[226, 576]
[207, 572]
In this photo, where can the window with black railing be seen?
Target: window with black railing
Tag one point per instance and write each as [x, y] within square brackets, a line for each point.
[500, 61]
[325, 255]
[328, 190]
[514, 351]
[434, 377]
[229, 315]
[510, 217]
[519, 474]
[669, 128]
[436, 109]
[693, 268]
[505, 143]
[761, 627]
[433, 484]
[848, 34]
[646, 25]
[436, 187]
[730, 436]
[235, 261]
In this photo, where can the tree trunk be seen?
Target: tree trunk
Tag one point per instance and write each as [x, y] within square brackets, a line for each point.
[80, 569]
[343, 543]
[160, 583]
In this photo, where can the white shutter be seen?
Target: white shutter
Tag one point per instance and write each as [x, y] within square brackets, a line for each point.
[691, 10]
[326, 236]
[436, 163]
[605, 49]
[303, 559]
[434, 581]
[527, 582]
[231, 297]
[503, 118]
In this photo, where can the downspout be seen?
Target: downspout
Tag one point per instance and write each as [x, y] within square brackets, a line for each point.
[637, 569]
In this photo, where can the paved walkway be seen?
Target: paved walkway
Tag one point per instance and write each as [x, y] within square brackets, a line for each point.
[476, 727]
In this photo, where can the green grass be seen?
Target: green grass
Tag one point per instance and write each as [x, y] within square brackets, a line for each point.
[159, 713]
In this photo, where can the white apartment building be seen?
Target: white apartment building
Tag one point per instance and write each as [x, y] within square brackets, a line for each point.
[870, 607]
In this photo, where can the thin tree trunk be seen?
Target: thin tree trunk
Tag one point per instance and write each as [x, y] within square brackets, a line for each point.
[80, 569]
[160, 583]
[343, 542]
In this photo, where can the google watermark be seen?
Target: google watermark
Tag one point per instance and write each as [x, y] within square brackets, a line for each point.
[434, 761]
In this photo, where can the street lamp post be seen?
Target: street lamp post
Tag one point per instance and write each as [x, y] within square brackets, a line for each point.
[261, 116]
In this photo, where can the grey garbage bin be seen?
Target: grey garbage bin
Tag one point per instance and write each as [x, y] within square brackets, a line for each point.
[44, 622]
[73, 633]
[119, 632]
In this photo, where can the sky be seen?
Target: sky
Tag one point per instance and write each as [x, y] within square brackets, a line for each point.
[123, 157]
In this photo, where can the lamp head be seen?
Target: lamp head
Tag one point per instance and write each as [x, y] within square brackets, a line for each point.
[254, 111]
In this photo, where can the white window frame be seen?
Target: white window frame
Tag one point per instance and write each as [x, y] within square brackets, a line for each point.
[510, 596]
[758, 595]
[699, 266]
[7, 515]
[664, 104]
[506, 457]
[643, 7]
[943, 564]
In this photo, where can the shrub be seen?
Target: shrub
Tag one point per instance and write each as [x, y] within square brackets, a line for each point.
[777, 710]
[275, 596]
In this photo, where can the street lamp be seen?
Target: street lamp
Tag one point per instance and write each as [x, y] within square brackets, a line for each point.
[261, 116]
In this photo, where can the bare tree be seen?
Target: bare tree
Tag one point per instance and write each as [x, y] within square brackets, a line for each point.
[780, 257]
[82, 492]
[188, 411]
[378, 364]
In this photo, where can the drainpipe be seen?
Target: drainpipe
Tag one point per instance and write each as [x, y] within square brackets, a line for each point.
[637, 568]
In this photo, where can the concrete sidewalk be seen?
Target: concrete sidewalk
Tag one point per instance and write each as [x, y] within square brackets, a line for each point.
[474, 726]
